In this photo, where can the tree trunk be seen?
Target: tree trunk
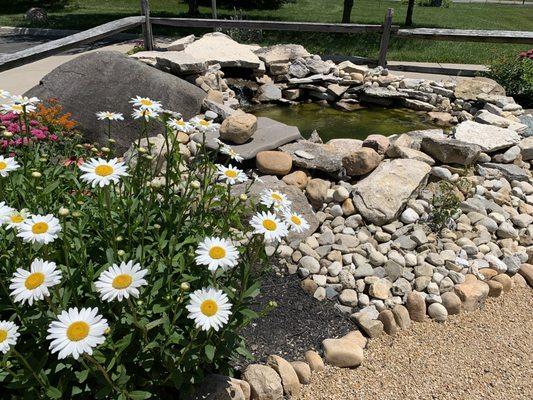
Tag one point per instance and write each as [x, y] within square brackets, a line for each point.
[409, 16]
[193, 8]
[346, 14]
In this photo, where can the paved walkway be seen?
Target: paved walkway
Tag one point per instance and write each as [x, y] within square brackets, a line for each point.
[482, 355]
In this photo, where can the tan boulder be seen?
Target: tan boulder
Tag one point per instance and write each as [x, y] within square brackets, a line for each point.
[296, 178]
[526, 270]
[314, 360]
[316, 191]
[361, 161]
[488, 273]
[265, 383]
[505, 280]
[273, 162]
[495, 288]
[416, 305]
[379, 143]
[356, 337]
[342, 353]
[238, 128]
[472, 293]
[401, 316]
[389, 323]
[303, 371]
[451, 302]
[289, 379]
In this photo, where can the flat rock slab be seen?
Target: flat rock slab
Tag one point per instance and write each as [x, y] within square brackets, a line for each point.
[490, 138]
[269, 135]
[281, 53]
[510, 172]
[382, 195]
[470, 89]
[107, 80]
[309, 155]
[299, 202]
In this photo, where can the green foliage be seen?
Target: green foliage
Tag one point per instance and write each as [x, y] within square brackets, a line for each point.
[516, 76]
[248, 4]
[444, 204]
[152, 348]
[434, 3]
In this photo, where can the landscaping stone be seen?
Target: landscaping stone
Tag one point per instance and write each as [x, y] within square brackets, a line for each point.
[526, 270]
[289, 378]
[489, 138]
[452, 302]
[281, 53]
[361, 161]
[220, 387]
[401, 316]
[472, 294]
[273, 162]
[309, 155]
[296, 178]
[316, 191]
[438, 312]
[82, 88]
[389, 323]
[450, 151]
[381, 196]
[371, 327]
[342, 353]
[315, 361]
[378, 143]
[495, 288]
[269, 135]
[265, 383]
[238, 128]
[181, 43]
[303, 371]
[526, 148]
[470, 89]
[416, 306]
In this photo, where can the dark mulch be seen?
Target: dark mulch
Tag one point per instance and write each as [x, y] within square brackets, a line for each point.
[298, 324]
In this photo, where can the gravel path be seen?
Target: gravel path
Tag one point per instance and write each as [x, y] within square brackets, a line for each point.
[486, 354]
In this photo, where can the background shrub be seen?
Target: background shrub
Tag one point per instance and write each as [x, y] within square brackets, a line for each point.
[515, 74]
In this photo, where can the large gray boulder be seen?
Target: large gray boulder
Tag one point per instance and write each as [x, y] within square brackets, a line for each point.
[470, 89]
[106, 81]
[382, 195]
[451, 151]
[490, 138]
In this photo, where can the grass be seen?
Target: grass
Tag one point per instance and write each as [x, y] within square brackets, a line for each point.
[83, 14]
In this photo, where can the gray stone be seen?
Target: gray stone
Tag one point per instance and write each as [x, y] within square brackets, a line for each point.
[511, 172]
[396, 151]
[489, 138]
[438, 312]
[82, 88]
[325, 157]
[281, 53]
[450, 151]
[269, 92]
[381, 196]
[470, 89]
[269, 135]
[181, 43]
[526, 148]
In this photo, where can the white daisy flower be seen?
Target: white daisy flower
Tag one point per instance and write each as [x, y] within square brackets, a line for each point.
[217, 253]
[227, 150]
[33, 284]
[76, 332]
[14, 218]
[270, 226]
[275, 199]
[120, 282]
[8, 335]
[231, 174]
[4, 94]
[25, 101]
[111, 116]
[99, 172]
[7, 165]
[203, 125]
[210, 308]
[180, 125]
[145, 103]
[147, 114]
[5, 210]
[39, 229]
[296, 222]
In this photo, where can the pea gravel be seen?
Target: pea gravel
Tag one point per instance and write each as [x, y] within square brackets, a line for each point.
[486, 354]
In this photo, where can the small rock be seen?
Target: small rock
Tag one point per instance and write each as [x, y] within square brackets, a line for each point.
[265, 383]
[495, 288]
[238, 128]
[438, 312]
[361, 161]
[342, 353]
[401, 316]
[289, 379]
[314, 360]
[273, 162]
[389, 322]
[416, 305]
[303, 371]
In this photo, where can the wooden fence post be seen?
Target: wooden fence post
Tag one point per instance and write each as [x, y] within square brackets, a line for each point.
[148, 37]
[385, 36]
[214, 9]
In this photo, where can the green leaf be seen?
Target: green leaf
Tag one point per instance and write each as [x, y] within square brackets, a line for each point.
[139, 395]
[210, 352]
[54, 393]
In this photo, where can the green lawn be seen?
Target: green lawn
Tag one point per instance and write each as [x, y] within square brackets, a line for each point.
[82, 14]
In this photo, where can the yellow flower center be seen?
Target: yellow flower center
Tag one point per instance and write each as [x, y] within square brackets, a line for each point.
[77, 331]
[39, 228]
[17, 107]
[3, 335]
[122, 281]
[209, 307]
[269, 225]
[204, 122]
[33, 281]
[16, 218]
[231, 173]
[146, 102]
[276, 197]
[217, 252]
[295, 220]
[3, 165]
[180, 122]
[103, 170]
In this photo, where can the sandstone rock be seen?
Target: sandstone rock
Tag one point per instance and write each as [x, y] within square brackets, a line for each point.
[489, 138]
[219, 387]
[303, 371]
[309, 155]
[472, 294]
[371, 327]
[238, 128]
[505, 280]
[401, 316]
[450, 151]
[269, 92]
[265, 383]
[314, 360]
[269, 135]
[526, 148]
[281, 53]
[289, 379]
[296, 178]
[181, 43]
[361, 162]
[396, 151]
[526, 270]
[380, 289]
[438, 312]
[381, 196]
[389, 322]
[495, 288]
[440, 118]
[316, 191]
[379, 143]
[452, 302]
[357, 338]
[82, 88]
[342, 353]
[273, 162]
[511, 172]
[416, 305]
[470, 89]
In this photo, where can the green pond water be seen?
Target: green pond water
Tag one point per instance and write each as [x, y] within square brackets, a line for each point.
[332, 123]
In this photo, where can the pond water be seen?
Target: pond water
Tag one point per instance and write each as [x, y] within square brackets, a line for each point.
[332, 123]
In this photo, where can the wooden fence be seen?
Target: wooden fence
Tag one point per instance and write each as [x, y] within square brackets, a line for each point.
[386, 30]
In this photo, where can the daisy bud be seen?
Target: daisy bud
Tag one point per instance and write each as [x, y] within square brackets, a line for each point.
[106, 149]
[76, 214]
[157, 226]
[94, 149]
[79, 146]
[63, 212]
[43, 159]
[112, 141]
[195, 185]
[8, 134]
[272, 304]
[36, 174]
[107, 331]
[243, 197]
[121, 253]
[185, 287]
[148, 156]
[119, 239]
[140, 302]
[167, 297]
[143, 150]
